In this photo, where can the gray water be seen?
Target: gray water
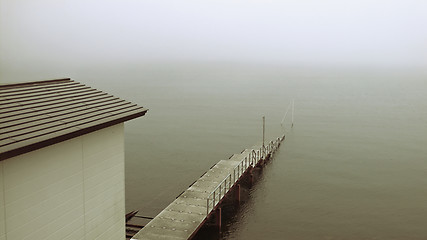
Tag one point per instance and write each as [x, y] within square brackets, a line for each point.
[354, 166]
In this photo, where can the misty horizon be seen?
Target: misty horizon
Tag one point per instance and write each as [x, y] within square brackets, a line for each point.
[45, 36]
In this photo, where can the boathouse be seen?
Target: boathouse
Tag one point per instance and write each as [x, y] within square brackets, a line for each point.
[62, 161]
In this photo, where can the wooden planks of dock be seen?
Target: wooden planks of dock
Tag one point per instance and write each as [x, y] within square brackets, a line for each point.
[187, 213]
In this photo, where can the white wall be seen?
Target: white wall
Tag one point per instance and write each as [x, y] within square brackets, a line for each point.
[70, 190]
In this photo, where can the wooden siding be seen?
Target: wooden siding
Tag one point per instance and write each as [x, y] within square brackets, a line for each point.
[71, 190]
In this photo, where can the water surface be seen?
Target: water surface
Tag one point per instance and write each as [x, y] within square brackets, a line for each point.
[353, 167]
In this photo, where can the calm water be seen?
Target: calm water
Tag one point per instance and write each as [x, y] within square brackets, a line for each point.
[353, 167]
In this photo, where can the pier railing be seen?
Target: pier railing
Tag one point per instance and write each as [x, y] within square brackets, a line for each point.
[249, 161]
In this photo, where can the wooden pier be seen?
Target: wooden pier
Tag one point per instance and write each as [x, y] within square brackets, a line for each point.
[186, 215]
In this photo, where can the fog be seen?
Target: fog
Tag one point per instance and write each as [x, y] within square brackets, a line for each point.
[47, 39]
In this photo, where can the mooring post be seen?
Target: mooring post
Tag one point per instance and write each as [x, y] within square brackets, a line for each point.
[218, 218]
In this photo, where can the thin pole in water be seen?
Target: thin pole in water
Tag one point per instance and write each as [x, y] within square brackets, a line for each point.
[293, 106]
[263, 130]
[286, 113]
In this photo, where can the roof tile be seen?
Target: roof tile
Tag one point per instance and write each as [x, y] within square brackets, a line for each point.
[38, 114]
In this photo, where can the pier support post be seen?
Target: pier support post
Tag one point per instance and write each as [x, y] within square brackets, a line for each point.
[261, 163]
[251, 176]
[238, 193]
[267, 158]
[218, 218]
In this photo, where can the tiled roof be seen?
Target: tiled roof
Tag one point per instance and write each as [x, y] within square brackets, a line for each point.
[38, 114]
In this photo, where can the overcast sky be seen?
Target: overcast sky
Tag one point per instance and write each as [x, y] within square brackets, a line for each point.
[391, 33]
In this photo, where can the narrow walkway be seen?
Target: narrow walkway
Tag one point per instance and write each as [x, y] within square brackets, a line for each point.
[184, 216]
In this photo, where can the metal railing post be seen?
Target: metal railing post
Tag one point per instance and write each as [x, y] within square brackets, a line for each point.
[238, 172]
[252, 159]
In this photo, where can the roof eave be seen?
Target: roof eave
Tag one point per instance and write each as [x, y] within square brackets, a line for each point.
[51, 141]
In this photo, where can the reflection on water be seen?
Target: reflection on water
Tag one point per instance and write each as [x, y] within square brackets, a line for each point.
[353, 167]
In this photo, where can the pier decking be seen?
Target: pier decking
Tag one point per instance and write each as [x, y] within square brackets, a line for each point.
[183, 217]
